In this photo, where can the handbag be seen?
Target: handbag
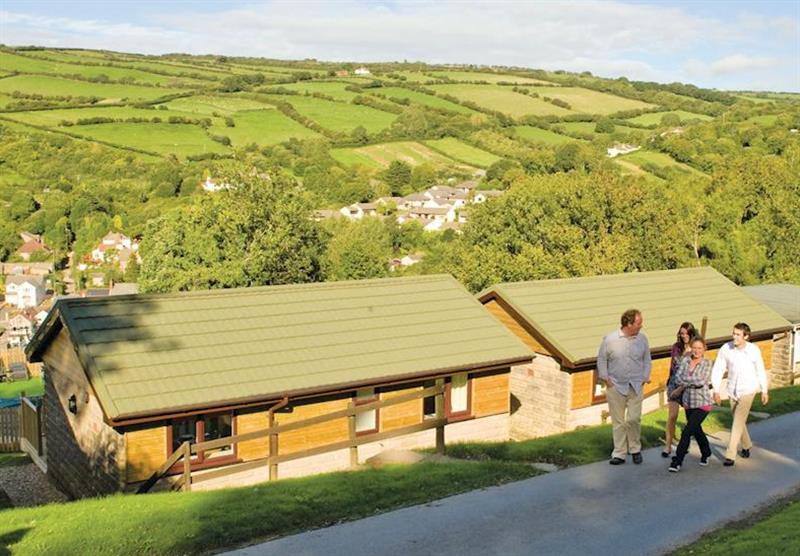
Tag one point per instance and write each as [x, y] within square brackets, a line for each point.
[677, 394]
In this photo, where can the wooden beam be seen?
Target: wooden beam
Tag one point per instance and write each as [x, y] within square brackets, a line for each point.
[439, 405]
[351, 431]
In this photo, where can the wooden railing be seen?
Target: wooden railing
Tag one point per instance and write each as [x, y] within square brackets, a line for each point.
[184, 452]
[9, 429]
[31, 425]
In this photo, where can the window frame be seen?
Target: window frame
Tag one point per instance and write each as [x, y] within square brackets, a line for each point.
[602, 398]
[453, 416]
[200, 460]
[363, 401]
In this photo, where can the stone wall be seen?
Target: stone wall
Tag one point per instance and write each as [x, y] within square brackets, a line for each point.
[780, 368]
[540, 399]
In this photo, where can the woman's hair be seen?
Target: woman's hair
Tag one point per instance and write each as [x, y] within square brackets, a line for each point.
[698, 338]
[692, 331]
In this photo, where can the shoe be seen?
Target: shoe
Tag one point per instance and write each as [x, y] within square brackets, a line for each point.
[728, 462]
[745, 452]
[674, 467]
[616, 461]
[637, 458]
[665, 454]
[704, 461]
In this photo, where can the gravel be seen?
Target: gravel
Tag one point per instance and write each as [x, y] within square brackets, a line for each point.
[26, 485]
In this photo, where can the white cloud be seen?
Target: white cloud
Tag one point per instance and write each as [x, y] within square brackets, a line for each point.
[741, 63]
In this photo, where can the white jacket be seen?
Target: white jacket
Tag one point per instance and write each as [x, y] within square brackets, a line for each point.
[745, 368]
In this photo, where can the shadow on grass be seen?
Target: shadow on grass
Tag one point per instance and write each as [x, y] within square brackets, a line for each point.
[11, 538]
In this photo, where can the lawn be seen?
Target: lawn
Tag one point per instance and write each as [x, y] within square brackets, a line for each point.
[542, 135]
[587, 101]
[56, 86]
[458, 150]
[422, 98]
[263, 127]
[381, 155]
[654, 118]
[489, 77]
[501, 99]
[31, 387]
[207, 104]
[339, 116]
[199, 522]
[180, 139]
[22, 64]
[771, 531]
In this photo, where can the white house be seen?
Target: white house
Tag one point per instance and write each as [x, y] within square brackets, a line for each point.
[110, 246]
[482, 196]
[211, 186]
[357, 211]
[24, 291]
[435, 214]
[19, 331]
[362, 71]
[617, 150]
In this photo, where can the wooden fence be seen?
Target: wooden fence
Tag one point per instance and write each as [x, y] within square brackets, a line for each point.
[183, 454]
[17, 355]
[9, 429]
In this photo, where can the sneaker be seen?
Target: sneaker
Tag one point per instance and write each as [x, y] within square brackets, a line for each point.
[674, 467]
[616, 461]
[728, 462]
[704, 461]
[637, 458]
[745, 452]
[665, 454]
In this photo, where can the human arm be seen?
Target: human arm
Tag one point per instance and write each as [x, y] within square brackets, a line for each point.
[602, 363]
[761, 374]
[647, 362]
[717, 371]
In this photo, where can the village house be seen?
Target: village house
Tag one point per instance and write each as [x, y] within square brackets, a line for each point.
[139, 383]
[362, 71]
[25, 291]
[405, 261]
[564, 320]
[357, 211]
[17, 268]
[483, 196]
[110, 245]
[617, 150]
[18, 330]
[784, 299]
[30, 247]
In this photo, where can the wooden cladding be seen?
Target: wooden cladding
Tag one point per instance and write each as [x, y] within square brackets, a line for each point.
[403, 414]
[582, 389]
[515, 327]
[315, 435]
[490, 394]
[146, 450]
[249, 422]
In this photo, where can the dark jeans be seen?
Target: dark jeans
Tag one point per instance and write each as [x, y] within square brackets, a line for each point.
[694, 427]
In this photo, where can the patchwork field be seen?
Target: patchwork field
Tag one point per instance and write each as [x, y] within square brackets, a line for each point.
[13, 62]
[542, 135]
[501, 99]
[654, 118]
[463, 152]
[182, 140]
[660, 160]
[335, 89]
[262, 127]
[338, 116]
[766, 119]
[422, 98]
[207, 104]
[6, 100]
[53, 118]
[380, 156]
[489, 77]
[55, 86]
[587, 101]
[588, 128]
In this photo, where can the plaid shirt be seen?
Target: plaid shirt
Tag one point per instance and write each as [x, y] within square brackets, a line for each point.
[698, 383]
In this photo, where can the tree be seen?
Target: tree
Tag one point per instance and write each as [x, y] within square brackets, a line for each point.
[358, 250]
[604, 126]
[258, 232]
[22, 205]
[398, 176]
[670, 120]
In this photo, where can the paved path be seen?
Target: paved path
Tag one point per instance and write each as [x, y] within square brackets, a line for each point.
[593, 509]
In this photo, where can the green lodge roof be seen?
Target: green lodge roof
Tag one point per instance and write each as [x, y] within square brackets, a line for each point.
[148, 355]
[573, 314]
[784, 298]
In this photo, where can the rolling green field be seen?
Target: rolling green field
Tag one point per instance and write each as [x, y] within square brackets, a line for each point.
[262, 127]
[589, 128]
[13, 62]
[423, 99]
[338, 116]
[658, 159]
[542, 135]
[654, 118]
[380, 156]
[181, 140]
[55, 86]
[335, 89]
[6, 99]
[766, 119]
[458, 150]
[488, 77]
[207, 104]
[53, 118]
[587, 101]
[502, 99]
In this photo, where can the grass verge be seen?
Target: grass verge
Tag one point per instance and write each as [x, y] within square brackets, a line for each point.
[199, 522]
[31, 387]
[771, 531]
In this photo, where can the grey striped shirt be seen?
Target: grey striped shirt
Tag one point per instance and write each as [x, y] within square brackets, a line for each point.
[624, 361]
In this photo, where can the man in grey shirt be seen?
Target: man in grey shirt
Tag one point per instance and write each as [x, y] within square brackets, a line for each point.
[623, 364]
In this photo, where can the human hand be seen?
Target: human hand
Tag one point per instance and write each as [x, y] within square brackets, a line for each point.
[764, 398]
[717, 399]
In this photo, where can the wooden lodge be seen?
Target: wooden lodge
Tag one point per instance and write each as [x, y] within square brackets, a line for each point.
[564, 320]
[230, 387]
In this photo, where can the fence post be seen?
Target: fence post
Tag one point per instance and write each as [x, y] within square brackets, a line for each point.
[273, 449]
[439, 404]
[351, 426]
[187, 467]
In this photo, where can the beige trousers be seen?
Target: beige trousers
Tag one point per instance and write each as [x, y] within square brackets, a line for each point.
[626, 417]
[741, 410]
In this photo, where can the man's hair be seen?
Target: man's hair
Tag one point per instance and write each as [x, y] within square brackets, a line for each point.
[744, 327]
[629, 316]
[698, 338]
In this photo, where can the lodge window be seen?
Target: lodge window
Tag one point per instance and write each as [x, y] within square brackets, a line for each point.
[458, 397]
[201, 428]
[366, 421]
[429, 403]
[598, 390]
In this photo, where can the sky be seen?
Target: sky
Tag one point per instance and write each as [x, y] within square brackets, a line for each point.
[722, 44]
